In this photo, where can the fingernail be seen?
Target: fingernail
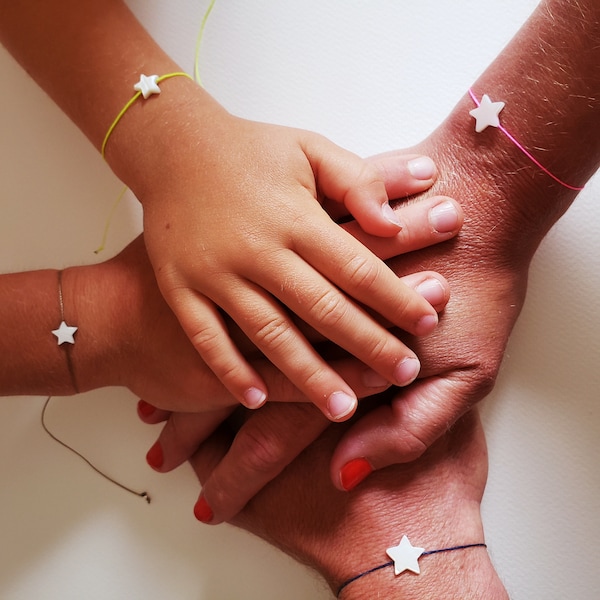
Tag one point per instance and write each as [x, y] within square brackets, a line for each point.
[254, 398]
[340, 404]
[389, 214]
[433, 291]
[443, 217]
[145, 409]
[155, 456]
[406, 371]
[202, 511]
[422, 168]
[353, 472]
[372, 379]
[426, 324]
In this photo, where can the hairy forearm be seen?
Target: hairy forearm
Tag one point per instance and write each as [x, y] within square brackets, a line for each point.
[549, 78]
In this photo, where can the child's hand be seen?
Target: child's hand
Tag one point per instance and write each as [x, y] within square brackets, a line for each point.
[241, 228]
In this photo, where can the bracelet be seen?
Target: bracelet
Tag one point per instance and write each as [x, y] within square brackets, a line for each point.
[405, 557]
[487, 115]
[64, 333]
[146, 87]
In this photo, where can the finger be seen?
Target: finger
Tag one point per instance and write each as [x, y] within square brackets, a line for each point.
[150, 414]
[363, 186]
[263, 447]
[424, 223]
[402, 430]
[320, 304]
[431, 286]
[345, 262]
[270, 328]
[185, 432]
[181, 436]
[207, 331]
[404, 174]
[357, 184]
[396, 171]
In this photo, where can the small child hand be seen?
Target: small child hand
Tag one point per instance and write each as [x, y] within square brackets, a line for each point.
[239, 228]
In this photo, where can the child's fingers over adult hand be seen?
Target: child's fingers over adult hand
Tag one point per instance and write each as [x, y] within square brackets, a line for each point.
[363, 187]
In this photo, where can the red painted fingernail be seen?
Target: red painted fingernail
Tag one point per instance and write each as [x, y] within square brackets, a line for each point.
[155, 456]
[145, 409]
[353, 472]
[202, 511]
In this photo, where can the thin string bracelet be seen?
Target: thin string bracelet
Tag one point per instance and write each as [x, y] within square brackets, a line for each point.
[145, 87]
[405, 557]
[197, 78]
[65, 334]
[486, 115]
[143, 495]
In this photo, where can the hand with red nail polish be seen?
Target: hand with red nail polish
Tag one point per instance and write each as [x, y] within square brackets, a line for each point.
[260, 452]
[435, 501]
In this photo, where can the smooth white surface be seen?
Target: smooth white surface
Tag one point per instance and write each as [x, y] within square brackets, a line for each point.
[372, 76]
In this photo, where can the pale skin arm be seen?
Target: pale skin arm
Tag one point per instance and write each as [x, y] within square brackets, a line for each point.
[232, 218]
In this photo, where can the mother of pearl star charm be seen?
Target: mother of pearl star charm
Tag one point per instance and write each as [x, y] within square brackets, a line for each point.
[486, 114]
[147, 85]
[65, 333]
[405, 556]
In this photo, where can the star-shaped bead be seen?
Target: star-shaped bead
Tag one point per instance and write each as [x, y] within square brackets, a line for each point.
[147, 85]
[486, 114]
[65, 333]
[405, 556]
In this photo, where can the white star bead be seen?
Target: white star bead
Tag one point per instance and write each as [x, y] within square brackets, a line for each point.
[405, 556]
[147, 85]
[486, 114]
[65, 333]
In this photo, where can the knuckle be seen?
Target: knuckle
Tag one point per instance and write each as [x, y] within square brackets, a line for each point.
[412, 446]
[330, 308]
[485, 376]
[260, 452]
[377, 348]
[370, 175]
[210, 345]
[362, 272]
[207, 340]
[273, 333]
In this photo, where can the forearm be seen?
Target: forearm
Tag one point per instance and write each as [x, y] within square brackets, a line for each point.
[87, 56]
[434, 501]
[378, 521]
[33, 362]
[549, 78]
[104, 301]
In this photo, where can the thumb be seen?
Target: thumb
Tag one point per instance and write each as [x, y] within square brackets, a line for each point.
[357, 184]
[401, 430]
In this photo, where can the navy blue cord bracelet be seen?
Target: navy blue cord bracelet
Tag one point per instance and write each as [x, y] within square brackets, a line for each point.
[405, 557]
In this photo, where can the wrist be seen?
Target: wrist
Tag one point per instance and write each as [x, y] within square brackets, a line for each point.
[156, 135]
[378, 521]
[552, 113]
[104, 303]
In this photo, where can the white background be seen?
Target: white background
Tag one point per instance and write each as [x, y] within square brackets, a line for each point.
[372, 76]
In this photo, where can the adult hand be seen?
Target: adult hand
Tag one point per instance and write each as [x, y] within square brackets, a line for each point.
[259, 454]
[434, 501]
